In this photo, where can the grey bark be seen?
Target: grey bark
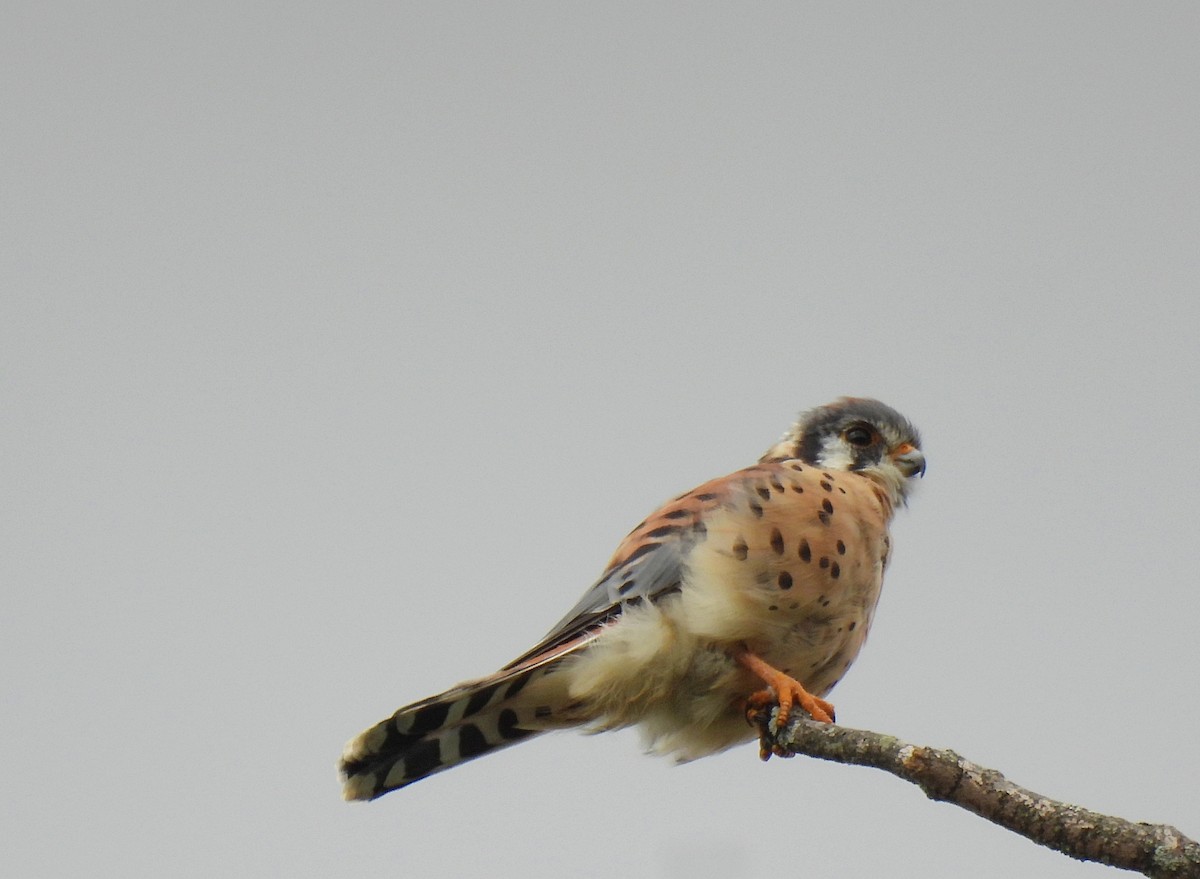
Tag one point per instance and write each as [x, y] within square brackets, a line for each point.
[1155, 850]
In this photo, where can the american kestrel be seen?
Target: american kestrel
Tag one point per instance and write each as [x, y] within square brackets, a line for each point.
[765, 578]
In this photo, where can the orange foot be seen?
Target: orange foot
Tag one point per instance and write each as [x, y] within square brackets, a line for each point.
[783, 689]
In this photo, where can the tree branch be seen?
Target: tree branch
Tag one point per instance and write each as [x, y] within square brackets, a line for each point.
[1156, 850]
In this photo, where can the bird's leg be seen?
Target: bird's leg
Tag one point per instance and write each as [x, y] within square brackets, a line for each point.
[783, 689]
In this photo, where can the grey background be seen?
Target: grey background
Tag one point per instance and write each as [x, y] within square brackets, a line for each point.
[341, 343]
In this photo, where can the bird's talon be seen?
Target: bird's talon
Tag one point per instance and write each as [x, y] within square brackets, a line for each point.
[784, 690]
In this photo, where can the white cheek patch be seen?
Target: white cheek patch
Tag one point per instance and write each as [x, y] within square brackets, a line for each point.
[835, 455]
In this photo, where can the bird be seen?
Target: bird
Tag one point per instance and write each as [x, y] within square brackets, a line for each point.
[756, 588]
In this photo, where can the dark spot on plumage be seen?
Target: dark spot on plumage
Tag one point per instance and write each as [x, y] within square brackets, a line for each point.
[670, 590]
[677, 514]
[479, 699]
[842, 490]
[828, 476]
[776, 541]
[471, 742]
[422, 759]
[756, 509]
[627, 574]
[805, 551]
[824, 517]
[763, 492]
[841, 547]
[798, 488]
[825, 485]
[705, 496]
[827, 506]
[772, 607]
[824, 562]
[543, 711]
[785, 580]
[776, 484]
[506, 725]
[816, 664]
[640, 551]
[823, 601]
[633, 602]
[625, 587]
[793, 605]
[429, 718]
[796, 467]
[700, 530]
[662, 531]
[740, 550]
[852, 625]
[517, 686]
[835, 570]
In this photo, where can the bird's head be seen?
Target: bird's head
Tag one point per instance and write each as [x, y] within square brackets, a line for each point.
[859, 435]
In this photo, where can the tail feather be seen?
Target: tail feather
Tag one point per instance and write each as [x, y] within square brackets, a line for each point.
[442, 731]
[437, 752]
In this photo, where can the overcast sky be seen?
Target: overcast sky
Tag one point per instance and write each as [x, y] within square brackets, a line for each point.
[340, 344]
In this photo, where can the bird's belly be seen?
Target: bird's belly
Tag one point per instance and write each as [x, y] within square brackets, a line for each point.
[815, 634]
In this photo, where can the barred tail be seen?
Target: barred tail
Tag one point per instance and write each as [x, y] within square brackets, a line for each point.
[442, 731]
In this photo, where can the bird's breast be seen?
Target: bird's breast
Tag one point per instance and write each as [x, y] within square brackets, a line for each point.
[795, 574]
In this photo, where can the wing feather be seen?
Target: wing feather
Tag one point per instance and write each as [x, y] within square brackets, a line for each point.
[649, 564]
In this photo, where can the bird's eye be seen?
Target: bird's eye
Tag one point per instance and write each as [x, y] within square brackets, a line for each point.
[859, 436]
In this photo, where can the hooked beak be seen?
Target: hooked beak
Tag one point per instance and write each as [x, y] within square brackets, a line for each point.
[909, 460]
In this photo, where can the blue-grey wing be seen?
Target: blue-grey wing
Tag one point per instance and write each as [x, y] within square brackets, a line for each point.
[650, 562]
